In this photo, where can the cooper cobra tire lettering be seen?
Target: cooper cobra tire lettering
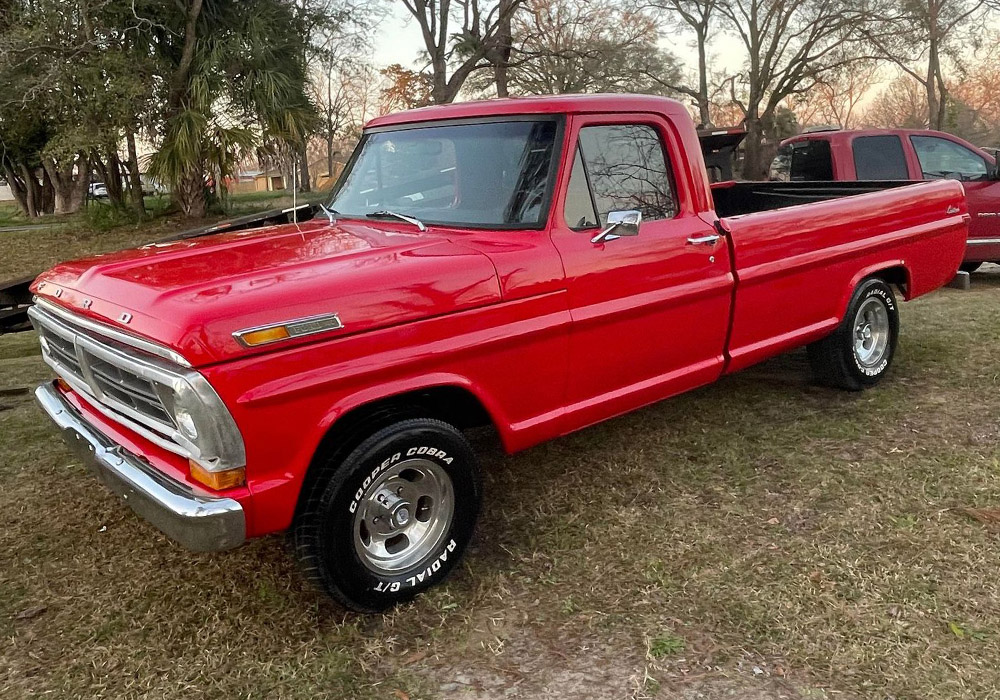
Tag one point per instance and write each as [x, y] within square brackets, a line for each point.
[428, 572]
[335, 550]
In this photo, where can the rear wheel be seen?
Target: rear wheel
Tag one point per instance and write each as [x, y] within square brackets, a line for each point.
[858, 354]
[394, 517]
[970, 266]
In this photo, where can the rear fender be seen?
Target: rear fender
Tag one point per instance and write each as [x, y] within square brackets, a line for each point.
[892, 271]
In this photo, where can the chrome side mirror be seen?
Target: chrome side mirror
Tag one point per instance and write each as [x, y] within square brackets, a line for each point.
[620, 223]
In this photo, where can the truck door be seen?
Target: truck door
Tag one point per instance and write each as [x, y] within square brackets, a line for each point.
[650, 308]
[939, 158]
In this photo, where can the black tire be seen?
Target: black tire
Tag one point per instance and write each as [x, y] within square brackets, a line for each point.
[837, 362]
[970, 267]
[329, 534]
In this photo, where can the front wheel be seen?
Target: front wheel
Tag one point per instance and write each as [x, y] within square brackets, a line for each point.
[858, 354]
[394, 517]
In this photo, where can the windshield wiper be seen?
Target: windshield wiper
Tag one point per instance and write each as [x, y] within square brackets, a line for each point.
[396, 215]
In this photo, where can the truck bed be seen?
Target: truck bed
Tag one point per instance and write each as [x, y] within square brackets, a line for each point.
[738, 198]
[795, 266]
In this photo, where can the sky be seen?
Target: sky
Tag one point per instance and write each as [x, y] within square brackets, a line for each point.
[398, 41]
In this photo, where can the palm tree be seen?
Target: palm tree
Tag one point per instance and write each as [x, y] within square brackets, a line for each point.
[237, 81]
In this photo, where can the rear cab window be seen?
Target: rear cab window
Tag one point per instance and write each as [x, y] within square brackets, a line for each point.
[803, 161]
[879, 158]
[618, 167]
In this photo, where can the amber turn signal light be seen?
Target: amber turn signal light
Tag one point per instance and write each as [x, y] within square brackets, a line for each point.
[63, 384]
[265, 335]
[218, 481]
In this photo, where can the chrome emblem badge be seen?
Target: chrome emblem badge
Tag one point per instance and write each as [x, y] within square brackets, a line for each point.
[126, 317]
[87, 303]
[58, 292]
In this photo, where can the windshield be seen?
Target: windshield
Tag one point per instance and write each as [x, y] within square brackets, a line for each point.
[480, 175]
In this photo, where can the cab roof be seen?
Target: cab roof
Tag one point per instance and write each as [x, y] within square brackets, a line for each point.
[541, 104]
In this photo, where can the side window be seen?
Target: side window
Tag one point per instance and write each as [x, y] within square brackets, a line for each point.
[879, 158]
[627, 169]
[811, 161]
[579, 208]
[940, 158]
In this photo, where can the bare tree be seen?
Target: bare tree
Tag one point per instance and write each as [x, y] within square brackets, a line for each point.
[976, 92]
[835, 98]
[699, 17]
[929, 32]
[901, 104]
[790, 45]
[461, 36]
[563, 46]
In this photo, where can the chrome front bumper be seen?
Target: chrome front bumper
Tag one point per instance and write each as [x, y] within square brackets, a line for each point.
[196, 520]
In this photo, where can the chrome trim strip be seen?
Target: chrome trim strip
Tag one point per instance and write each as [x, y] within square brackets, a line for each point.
[983, 241]
[111, 332]
[197, 520]
[317, 323]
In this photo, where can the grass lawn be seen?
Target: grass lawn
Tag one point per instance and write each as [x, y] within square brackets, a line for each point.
[759, 538]
[99, 229]
[10, 215]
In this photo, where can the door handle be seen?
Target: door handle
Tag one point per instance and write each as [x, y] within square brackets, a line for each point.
[709, 239]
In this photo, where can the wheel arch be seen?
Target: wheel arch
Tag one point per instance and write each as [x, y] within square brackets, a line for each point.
[448, 398]
[892, 272]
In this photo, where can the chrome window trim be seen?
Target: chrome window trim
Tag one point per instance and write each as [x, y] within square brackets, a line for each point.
[111, 332]
[335, 325]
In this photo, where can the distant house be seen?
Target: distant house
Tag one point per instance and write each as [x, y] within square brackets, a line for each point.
[5, 194]
[257, 181]
[270, 180]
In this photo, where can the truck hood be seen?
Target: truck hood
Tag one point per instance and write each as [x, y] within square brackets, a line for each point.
[192, 295]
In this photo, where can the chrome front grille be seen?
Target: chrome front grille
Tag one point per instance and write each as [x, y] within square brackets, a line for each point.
[139, 394]
[118, 380]
[62, 351]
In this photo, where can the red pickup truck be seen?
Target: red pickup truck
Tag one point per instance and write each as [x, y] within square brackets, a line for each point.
[903, 155]
[536, 265]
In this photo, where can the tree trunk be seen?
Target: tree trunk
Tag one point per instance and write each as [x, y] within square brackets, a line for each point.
[61, 183]
[81, 185]
[329, 155]
[45, 196]
[114, 183]
[704, 115]
[933, 107]
[32, 195]
[135, 198]
[501, 54]
[68, 191]
[754, 167]
[190, 194]
[305, 185]
[17, 188]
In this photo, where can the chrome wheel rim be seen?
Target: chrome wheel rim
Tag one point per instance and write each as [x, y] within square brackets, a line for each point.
[403, 516]
[871, 332]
